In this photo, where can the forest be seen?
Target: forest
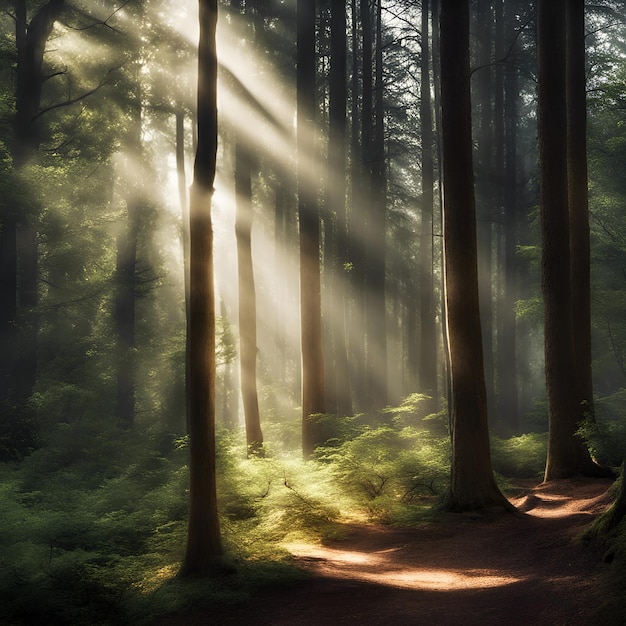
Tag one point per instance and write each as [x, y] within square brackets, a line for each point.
[287, 287]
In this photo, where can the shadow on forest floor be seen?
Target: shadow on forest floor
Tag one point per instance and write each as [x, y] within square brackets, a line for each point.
[462, 569]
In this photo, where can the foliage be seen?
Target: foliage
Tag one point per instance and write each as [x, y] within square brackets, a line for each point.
[606, 434]
[520, 457]
[608, 531]
[385, 468]
[93, 524]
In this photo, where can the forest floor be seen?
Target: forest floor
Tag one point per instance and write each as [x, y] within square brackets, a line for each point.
[529, 568]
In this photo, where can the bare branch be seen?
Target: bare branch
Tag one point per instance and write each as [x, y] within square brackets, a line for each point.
[102, 22]
[509, 52]
[53, 75]
[71, 101]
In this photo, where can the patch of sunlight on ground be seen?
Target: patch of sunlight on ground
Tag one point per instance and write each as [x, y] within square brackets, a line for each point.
[158, 577]
[374, 568]
[549, 505]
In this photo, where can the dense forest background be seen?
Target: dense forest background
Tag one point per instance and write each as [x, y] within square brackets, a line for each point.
[98, 132]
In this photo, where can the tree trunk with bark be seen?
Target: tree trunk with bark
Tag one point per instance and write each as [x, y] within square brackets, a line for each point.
[576, 89]
[19, 320]
[508, 409]
[375, 302]
[472, 484]
[203, 553]
[428, 333]
[247, 298]
[337, 181]
[485, 187]
[310, 288]
[567, 454]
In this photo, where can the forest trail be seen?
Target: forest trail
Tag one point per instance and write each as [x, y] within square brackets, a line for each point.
[466, 569]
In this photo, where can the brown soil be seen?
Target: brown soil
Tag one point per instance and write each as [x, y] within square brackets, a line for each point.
[465, 569]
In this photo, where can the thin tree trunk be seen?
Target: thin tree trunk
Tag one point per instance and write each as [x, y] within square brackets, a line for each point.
[125, 279]
[310, 289]
[428, 333]
[508, 409]
[436, 64]
[376, 243]
[360, 193]
[203, 553]
[182, 198]
[247, 299]
[337, 180]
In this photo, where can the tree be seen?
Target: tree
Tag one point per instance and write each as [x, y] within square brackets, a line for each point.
[18, 237]
[247, 297]
[508, 411]
[310, 288]
[125, 313]
[486, 140]
[472, 483]
[567, 453]
[337, 180]
[578, 203]
[375, 303]
[428, 335]
[204, 549]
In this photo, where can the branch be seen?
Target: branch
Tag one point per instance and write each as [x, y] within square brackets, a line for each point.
[509, 52]
[71, 101]
[101, 22]
[59, 73]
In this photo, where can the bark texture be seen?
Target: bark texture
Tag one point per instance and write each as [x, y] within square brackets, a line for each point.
[247, 299]
[472, 484]
[204, 549]
[310, 287]
[428, 334]
[567, 454]
[578, 203]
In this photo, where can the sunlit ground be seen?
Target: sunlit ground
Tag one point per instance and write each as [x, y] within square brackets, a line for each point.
[378, 568]
[388, 567]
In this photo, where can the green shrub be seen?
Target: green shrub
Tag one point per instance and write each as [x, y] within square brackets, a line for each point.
[520, 457]
[386, 468]
[606, 436]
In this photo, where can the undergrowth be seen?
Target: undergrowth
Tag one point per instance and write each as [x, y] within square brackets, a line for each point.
[93, 524]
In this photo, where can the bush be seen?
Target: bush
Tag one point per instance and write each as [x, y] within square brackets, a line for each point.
[385, 469]
[520, 457]
[606, 436]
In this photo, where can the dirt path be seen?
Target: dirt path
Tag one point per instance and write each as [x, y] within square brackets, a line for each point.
[466, 570]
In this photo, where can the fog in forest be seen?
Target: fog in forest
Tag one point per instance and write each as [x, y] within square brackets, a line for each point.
[416, 280]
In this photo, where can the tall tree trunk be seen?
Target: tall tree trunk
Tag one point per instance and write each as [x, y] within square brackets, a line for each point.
[578, 203]
[337, 181]
[19, 324]
[375, 310]
[472, 484]
[247, 298]
[436, 65]
[360, 139]
[125, 299]
[182, 198]
[8, 308]
[310, 290]
[508, 409]
[126, 270]
[484, 188]
[567, 454]
[428, 334]
[204, 548]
